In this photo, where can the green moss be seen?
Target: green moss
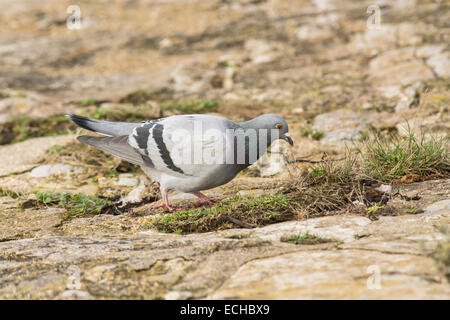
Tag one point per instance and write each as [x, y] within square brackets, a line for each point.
[89, 102]
[234, 212]
[192, 106]
[304, 238]
[56, 149]
[308, 132]
[75, 204]
[373, 209]
[8, 193]
[23, 128]
[223, 64]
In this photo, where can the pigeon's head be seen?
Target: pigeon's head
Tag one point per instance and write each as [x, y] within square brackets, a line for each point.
[274, 122]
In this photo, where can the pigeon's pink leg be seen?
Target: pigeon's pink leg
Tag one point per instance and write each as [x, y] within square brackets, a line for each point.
[164, 203]
[203, 199]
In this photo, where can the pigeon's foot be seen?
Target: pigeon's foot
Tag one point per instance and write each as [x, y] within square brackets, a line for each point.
[203, 199]
[168, 207]
[165, 205]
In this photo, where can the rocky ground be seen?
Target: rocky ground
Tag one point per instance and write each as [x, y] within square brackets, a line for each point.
[317, 63]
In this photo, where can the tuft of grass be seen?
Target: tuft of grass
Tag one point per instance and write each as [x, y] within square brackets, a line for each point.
[336, 185]
[75, 204]
[235, 212]
[334, 171]
[192, 106]
[386, 160]
[9, 193]
[304, 238]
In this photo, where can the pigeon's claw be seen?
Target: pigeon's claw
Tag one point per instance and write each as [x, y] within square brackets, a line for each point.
[203, 199]
[202, 202]
[165, 204]
[168, 207]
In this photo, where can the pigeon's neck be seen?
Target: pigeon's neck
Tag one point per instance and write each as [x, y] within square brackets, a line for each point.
[256, 140]
[251, 128]
[250, 124]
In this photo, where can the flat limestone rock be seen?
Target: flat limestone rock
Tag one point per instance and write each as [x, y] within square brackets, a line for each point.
[349, 274]
[16, 224]
[23, 156]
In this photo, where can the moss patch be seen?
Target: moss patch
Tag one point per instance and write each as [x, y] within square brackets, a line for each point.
[235, 212]
[308, 132]
[9, 193]
[191, 106]
[304, 238]
[24, 128]
[75, 204]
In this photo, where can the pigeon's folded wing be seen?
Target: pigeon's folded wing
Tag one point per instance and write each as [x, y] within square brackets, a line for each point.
[183, 145]
[117, 146]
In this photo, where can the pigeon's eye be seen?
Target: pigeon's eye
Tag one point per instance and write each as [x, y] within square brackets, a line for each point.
[279, 126]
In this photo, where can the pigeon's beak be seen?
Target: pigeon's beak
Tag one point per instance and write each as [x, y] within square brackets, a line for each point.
[288, 138]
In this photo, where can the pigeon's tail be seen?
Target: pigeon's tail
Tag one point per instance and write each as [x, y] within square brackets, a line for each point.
[117, 146]
[108, 128]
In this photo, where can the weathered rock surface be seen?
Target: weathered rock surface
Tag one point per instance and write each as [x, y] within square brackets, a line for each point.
[50, 169]
[319, 274]
[23, 156]
[317, 63]
[114, 257]
[341, 127]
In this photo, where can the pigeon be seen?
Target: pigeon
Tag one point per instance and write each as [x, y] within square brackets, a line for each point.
[187, 153]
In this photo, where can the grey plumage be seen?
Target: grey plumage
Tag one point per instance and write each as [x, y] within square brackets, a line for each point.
[117, 146]
[168, 149]
[108, 128]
